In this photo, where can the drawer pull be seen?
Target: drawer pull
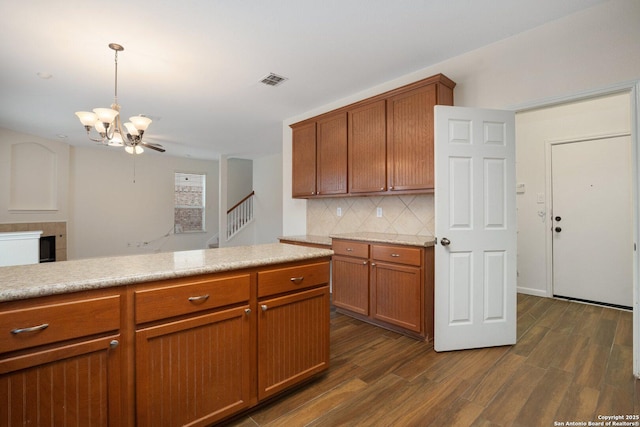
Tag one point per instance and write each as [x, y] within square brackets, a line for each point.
[199, 298]
[395, 255]
[264, 307]
[247, 311]
[114, 344]
[297, 280]
[31, 329]
[349, 249]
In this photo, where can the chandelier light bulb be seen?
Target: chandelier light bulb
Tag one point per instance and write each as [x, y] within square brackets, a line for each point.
[140, 122]
[105, 115]
[87, 118]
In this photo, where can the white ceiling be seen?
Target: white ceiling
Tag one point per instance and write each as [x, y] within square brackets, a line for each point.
[194, 65]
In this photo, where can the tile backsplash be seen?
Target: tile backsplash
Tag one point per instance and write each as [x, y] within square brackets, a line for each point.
[409, 214]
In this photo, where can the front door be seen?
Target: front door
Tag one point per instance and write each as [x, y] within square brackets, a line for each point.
[475, 224]
[591, 221]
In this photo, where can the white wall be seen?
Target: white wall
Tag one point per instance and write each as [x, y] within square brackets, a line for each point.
[239, 180]
[267, 183]
[606, 115]
[60, 151]
[113, 215]
[594, 48]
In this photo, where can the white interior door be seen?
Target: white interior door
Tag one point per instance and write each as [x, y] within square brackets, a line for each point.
[475, 223]
[591, 220]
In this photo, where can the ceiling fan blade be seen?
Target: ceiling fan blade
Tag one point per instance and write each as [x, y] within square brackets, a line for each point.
[153, 146]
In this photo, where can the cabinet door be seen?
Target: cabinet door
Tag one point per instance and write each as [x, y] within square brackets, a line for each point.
[194, 371]
[293, 339]
[351, 284]
[77, 384]
[367, 148]
[304, 160]
[396, 295]
[410, 139]
[331, 151]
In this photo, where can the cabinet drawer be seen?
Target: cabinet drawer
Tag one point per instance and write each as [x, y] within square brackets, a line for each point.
[350, 248]
[160, 303]
[397, 254]
[30, 327]
[281, 280]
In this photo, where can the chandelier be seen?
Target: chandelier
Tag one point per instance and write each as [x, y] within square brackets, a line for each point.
[108, 125]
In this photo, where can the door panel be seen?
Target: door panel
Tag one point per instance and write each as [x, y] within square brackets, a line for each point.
[475, 273]
[591, 221]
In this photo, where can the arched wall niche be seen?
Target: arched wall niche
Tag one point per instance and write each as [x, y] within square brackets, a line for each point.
[34, 178]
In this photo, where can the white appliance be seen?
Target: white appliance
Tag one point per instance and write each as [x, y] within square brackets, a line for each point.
[19, 248]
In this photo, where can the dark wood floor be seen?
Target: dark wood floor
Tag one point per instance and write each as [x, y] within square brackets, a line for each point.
[572, 362]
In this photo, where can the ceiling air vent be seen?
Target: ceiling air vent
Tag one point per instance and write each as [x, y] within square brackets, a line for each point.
[273, 80]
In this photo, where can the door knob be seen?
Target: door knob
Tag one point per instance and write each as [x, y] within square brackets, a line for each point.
[445, 242]
[558, 229]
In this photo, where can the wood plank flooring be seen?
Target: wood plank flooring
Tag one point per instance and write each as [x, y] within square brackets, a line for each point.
[572, 362]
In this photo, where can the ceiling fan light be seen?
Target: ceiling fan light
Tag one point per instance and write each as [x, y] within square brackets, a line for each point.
[87, 118]
[134, 150]
[100, 127]
[105, 115]
[140, 122]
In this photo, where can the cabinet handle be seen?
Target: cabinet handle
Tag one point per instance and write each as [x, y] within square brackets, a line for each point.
[364, 262]
[373, 264]
[264, 307]
[349, 249]
[395, 255]
[391, 187]
[313, 193]
[31, 329]
[114, 343]
[199, 298]
[297, 280]
[247, 311]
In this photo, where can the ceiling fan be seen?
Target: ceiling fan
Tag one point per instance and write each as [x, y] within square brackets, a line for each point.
[108, 124]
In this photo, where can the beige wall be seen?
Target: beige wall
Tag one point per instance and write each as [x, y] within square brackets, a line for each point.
[123, 204]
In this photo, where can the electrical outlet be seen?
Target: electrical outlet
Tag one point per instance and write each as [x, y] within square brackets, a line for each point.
[339, 211]
[379, 212]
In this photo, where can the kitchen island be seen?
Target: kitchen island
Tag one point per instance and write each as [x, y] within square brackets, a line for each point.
[161, 339]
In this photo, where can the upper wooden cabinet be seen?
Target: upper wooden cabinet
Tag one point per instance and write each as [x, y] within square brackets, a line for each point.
[389, 140]
[331, 160]
[320, 157]
[304, 160]
[410, 139]
[367, 148]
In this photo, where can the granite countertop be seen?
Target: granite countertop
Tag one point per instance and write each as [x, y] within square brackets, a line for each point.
[425, 240]
[309, 238]
[396, 239]
[28, 281]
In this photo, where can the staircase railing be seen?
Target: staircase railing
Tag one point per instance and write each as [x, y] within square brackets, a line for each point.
[240, 215]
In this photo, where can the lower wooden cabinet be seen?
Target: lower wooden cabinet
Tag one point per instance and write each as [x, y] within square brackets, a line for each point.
[60, 361]
[293, 339]
[352, 293]
[387, 285]
[396, 295]
[194, 371]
